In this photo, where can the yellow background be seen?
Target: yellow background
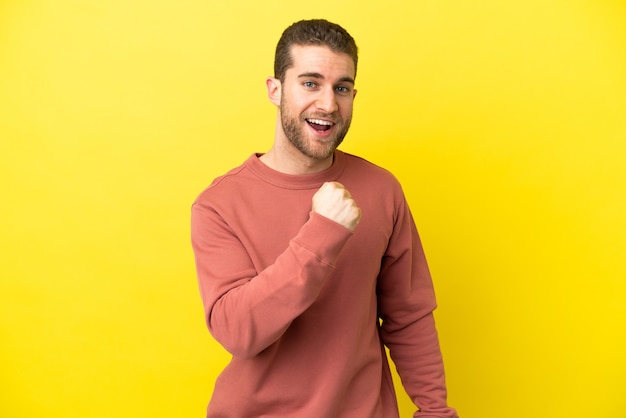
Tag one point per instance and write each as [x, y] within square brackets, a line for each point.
[505, 122]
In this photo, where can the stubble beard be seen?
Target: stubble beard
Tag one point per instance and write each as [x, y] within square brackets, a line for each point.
[294, 129]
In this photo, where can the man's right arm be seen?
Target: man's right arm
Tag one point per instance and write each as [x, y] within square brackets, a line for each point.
[247, 311]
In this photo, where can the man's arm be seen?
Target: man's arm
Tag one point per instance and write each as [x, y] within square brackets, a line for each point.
[246, 310]
[406, 304]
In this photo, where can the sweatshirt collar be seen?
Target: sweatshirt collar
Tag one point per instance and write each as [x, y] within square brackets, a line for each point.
[291, 181]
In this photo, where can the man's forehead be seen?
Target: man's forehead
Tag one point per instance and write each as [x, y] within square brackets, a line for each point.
[320, 59]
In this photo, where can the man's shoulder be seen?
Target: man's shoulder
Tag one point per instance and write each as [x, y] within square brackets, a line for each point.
[225, 184]
[362, 167]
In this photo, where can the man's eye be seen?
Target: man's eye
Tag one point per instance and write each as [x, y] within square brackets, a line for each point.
[309, 84]
[342, 89]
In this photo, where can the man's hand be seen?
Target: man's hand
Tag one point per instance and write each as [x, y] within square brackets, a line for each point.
[333, 201]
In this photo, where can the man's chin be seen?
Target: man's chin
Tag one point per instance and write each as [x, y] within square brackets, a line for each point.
[315, 147]
[319, 153]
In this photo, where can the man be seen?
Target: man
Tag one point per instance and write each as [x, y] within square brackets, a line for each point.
[309, 262]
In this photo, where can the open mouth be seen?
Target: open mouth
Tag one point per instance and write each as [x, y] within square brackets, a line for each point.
[319, 124]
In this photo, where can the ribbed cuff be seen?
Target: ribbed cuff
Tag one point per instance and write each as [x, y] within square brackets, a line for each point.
[324, 237]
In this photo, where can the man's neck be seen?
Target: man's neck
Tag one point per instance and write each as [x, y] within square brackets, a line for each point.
[292, 161]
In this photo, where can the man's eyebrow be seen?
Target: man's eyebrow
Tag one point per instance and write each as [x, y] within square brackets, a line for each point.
[346, 80]
[319, 76]
[310, 75]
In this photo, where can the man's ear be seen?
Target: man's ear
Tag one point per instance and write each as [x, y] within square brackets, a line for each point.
[274, 90]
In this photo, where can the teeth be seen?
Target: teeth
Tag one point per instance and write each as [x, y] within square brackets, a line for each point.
[320, 122]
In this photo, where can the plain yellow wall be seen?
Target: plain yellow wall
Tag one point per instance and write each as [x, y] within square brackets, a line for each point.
[505, 122]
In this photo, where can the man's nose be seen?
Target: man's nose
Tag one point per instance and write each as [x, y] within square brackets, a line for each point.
[326, 101]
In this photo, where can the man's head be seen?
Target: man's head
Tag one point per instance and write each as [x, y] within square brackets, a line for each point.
[313, 88]
[316, 32]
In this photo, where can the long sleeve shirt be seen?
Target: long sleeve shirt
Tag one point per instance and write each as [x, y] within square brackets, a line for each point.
[305, 306]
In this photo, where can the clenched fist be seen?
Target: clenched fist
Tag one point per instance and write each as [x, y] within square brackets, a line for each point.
[334, 201]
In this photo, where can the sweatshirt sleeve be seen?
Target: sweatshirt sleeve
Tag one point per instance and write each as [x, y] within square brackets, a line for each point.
[406, 303]
[245, 310]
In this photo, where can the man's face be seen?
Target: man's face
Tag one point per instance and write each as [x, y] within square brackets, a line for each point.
[316, 100]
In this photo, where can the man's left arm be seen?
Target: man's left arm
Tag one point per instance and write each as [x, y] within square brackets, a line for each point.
[406, 303]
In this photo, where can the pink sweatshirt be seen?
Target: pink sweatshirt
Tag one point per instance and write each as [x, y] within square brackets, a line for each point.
[296, 298]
